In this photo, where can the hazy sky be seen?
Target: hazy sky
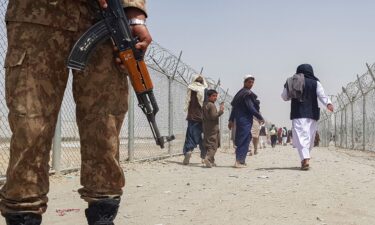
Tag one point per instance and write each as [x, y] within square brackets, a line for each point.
[269, 39]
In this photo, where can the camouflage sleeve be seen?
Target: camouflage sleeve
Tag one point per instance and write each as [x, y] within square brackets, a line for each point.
[140, 4]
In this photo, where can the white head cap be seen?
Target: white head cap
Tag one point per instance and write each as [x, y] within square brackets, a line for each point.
[248, 76]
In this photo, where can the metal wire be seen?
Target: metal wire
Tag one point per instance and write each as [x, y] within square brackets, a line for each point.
[164, 67]
[352, 125]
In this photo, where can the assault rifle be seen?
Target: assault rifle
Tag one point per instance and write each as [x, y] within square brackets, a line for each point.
[114, 24]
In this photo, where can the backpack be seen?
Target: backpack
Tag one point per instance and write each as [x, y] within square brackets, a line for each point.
[273, 131]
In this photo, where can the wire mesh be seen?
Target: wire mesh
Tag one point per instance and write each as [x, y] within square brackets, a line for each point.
[354, 118]
[167, 71]
[4, 127]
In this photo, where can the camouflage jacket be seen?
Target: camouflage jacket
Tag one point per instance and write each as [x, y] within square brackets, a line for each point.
[63, 14]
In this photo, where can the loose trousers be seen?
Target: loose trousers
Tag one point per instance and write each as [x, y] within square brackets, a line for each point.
[36, 77]
[304, 131]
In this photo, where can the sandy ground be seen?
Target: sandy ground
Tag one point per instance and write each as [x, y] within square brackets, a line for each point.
[339, 189]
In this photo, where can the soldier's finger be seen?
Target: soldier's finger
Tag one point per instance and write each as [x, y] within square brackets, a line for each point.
[118, 60]
[122, 66]
[142, 45]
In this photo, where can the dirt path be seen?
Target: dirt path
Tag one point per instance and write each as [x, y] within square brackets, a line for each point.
[339, 189]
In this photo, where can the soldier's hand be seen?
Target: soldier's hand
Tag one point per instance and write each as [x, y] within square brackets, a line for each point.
[139, 31]
[117, 59]
[143, 35]
[103, 3]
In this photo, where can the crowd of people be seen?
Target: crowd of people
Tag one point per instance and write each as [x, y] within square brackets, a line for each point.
[40, 36]
[249, 130]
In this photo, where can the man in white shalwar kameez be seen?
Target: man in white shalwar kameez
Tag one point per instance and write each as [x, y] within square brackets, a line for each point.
[305, 112]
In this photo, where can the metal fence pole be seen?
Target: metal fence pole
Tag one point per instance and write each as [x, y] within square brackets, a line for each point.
[335, 130]
[341, 128]
[352, 115]
[370, 72]
[221, 131]
[345, 118]
[363, 113]
[346, 126]
[170, 114]
[131, 126]
[56, 148]
[170, 105]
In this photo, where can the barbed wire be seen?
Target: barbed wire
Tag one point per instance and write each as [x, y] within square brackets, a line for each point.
[352, 123]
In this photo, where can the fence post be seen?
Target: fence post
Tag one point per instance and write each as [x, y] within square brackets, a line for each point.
[344, 109]
[352, 115]
[370, 72]
[363, 114]
[342, 128]
[170, 114]
[170, 104]
[56, 148]
[335, 131]
[131, 126]
[221, 132]
[324, 134]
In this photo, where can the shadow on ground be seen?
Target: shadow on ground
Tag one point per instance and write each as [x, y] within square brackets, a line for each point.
[280, 168]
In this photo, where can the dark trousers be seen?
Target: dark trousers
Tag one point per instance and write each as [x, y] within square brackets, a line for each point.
[243, 138]
[194, 138]
[273, 140]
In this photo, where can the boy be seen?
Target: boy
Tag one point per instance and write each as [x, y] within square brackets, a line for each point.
[211, 130]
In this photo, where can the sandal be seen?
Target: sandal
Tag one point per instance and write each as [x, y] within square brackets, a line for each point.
[305, 165]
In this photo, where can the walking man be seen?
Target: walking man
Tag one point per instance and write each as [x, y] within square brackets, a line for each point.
[193, 106]
[255, 129]
[211, 129]
[243, 111]
[40, 37]
[273, 134]
[263, 136]
[284, 135]
[305, 111]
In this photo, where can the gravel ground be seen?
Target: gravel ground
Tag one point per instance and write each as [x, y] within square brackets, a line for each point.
[339, 189]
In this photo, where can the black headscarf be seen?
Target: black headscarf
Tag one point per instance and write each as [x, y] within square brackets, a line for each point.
[307, 70]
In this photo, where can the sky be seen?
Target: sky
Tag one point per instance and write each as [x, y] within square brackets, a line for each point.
[268, 39]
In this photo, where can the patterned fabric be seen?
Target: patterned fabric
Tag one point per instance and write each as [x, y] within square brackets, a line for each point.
[36, 77]
[62, 14]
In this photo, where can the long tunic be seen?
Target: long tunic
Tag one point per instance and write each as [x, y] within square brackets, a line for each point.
[304, 129]
[255, 129]
[211, 128]
[194, 130]
[243, 114]
[195, 112]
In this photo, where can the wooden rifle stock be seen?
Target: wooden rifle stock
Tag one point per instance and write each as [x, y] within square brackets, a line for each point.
[138, 73]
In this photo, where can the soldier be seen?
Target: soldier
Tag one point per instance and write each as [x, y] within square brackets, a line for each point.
[40, 37]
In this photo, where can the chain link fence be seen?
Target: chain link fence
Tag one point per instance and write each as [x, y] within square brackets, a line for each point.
[352, 125]
[171, 77]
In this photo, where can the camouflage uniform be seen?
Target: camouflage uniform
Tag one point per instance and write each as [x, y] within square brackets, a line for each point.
[40, 36]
